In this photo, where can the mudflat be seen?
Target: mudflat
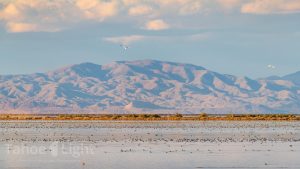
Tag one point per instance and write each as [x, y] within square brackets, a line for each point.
[142, 144]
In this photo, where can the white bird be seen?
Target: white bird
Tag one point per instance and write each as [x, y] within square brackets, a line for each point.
[271, 67]
[125, 47]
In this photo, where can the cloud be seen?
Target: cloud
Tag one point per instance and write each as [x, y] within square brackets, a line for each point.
[37, 15]
[130, 2]
[49, 15]
[10, 12]
[180, 7]
[180, 38]
[271, 6]
[156, 25]
[174, 2]
[56, 15]
[199, 36]
[98, 10]
[229, 4]
[21, 27]
[191, 8]
[139, 10]
[125, 40]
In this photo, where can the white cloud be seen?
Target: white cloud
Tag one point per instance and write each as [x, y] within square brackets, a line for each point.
[37, 15]
[180, 38]
[199, 36]
[191, 8]
[180, 7]
[55, 15]
[271, 6]
[130, 2]
[46, 15]
[139, 10]
[10, 12]
[156, 25]
[21, 27]
[229, 4]
[125, 40]
[98, 10]
[173, 2]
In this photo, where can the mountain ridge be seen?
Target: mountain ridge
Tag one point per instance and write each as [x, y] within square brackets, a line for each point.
[149, 86]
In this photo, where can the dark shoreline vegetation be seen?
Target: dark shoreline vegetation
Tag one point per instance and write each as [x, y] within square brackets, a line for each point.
[154, 117]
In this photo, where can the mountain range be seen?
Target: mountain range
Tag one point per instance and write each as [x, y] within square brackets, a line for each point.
[146, 86]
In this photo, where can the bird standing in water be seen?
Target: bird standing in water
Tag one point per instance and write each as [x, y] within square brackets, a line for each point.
[83, 165]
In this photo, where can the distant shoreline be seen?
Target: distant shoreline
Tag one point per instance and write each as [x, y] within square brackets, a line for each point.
[150, 117]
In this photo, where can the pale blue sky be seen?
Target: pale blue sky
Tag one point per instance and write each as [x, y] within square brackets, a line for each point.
[239, 37]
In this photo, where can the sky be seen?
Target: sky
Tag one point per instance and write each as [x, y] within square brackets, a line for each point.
[254, 38]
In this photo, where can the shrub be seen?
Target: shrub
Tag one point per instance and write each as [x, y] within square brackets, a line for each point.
[178, 115]
[230, 115]
[115, 117]
[132, 116]
[144, 116]
[203, 115]
[155, 116]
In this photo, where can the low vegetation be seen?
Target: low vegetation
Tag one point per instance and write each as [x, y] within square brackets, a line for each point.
[156, 117]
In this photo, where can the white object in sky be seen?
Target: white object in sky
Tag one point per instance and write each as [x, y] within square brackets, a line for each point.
[125, 47]
[271, 67]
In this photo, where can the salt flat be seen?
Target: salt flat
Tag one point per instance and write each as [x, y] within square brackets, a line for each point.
[93, 145]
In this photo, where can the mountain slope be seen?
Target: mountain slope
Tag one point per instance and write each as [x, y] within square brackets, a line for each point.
[295, 77]
[144, 86]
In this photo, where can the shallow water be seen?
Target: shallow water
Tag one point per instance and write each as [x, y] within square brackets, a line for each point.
[136, 145]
